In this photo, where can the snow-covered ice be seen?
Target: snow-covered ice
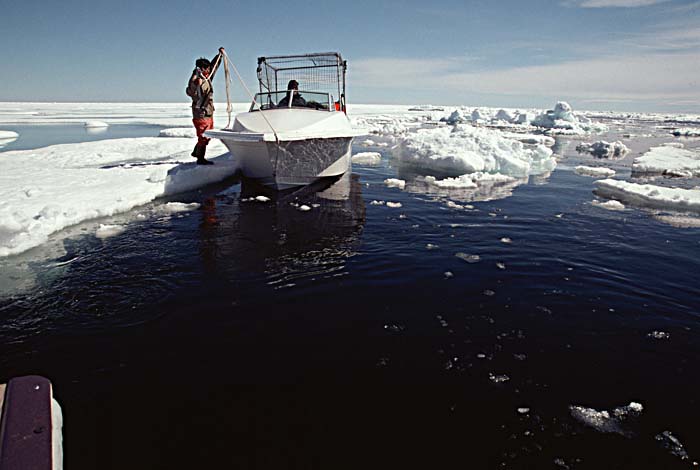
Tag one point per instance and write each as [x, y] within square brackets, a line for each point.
[106, 231]
[178, 132]
[95, 124]
[367, 158]
[469, 180]
[611, 205]
[595, 172]
[563, 120]
[395, 183]
[604, 421]
[45, 190]
[466, 149]
[7, 135]
[670, 161]
[686, 132]
[603, 149]
[649, 196]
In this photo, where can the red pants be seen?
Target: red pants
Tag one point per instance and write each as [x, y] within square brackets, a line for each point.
[201, 125]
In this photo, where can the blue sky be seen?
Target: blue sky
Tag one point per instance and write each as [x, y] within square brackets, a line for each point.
[628, 55]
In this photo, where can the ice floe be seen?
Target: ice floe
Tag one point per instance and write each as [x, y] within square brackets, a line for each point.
[671, 161]
[45, 190]
[595, 172]
[7, 135]
[611, 205]
[604, 421]
[686, 132]
[562, 120]
[469, 180]
[603, 149]
[465, 149]
[178, 132]
[650, 196]
[106, 231]
[393, 205]
[395, 183]
[95, 124]
[367, 158]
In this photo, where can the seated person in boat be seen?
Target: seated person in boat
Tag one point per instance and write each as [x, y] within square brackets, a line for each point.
[297, 100]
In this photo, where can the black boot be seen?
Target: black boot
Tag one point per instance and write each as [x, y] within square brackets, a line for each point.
[199, 152]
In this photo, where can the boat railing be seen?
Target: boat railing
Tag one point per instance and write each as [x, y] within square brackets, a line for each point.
[295, 99]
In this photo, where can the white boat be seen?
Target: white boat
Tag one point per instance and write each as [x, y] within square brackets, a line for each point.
[293, 137]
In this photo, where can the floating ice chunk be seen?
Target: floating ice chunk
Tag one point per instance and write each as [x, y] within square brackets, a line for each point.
[395, 183]
[523, 410]
[489, 293]
[430, 246]
[454, 205]
[8, 135]
[672, 444]
[106, 231]
[651, 196]
[95, 124]
[686, 132]
[562, 119]
[611, 205]
[178, 132]
[468, 258]
[668, 160]
[377, 203]
[465, 149]
[506, 240]
[500, 266]
[470, 180]
[367, 158]
[604, 421]
[367, 143]
[498, 379]
[448, 274]
[304, 208]
[175, 207]
[262, 198]
[679, 221]
[596, 172]
[393, 205]
[678, 145]
[603, 149]
[659, 335]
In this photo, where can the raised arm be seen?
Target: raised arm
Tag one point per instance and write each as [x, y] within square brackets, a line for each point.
[216, 61]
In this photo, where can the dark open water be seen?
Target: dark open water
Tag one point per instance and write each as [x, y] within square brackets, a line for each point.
[250, 335]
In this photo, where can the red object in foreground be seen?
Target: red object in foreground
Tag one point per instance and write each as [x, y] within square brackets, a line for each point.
[25, 430]
[201, 125]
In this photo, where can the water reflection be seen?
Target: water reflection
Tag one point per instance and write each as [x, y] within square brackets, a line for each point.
[281, 240]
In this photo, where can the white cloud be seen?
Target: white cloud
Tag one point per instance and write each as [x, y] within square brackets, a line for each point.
[658, 77]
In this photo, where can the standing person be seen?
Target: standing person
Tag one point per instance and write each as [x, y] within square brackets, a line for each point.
[201, 90]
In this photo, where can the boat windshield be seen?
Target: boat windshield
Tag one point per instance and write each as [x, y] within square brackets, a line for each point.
[293, 99]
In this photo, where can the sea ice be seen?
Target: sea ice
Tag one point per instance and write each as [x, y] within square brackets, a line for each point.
[611, 205]
[47, 189]
[175, 207]
[605, 421]
[603, 149]
[659, 335]
[95, 124]
[466, 149]
[686, 132]
[469, 180]
[393, 205]
[562, 120]
[650, 196]
[106, 231]
[468, 258]
[668, 160]
[595, 172]
[178, 132]
[262, 198]
[367, 158]
[395, 183]
[7, 135]
[531, 139]
[304, 208]
[672, 444]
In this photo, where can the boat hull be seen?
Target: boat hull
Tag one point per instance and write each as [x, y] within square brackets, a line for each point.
[291, 163]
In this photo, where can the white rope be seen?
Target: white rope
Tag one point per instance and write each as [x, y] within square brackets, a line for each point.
[229, 108]
[252, 97]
